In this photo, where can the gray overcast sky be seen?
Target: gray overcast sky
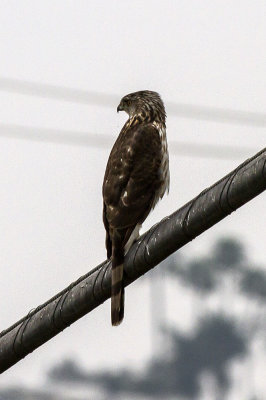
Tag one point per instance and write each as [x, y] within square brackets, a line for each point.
[208, 53]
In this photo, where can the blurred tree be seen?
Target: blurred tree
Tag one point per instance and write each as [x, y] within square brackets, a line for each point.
[215, 343]
[198, 273]
[67, 370]
[202, 273]
[228, 254]
[253, 284]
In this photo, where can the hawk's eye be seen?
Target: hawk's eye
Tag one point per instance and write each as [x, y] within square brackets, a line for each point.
[127, 102]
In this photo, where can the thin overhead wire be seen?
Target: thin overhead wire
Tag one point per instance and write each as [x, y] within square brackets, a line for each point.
[223, 115]
[103, 141]
[57, 92]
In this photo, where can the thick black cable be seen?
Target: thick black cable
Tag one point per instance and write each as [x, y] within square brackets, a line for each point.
[88, 292]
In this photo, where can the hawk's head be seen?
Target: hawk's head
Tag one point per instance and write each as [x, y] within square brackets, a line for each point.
[146, 105]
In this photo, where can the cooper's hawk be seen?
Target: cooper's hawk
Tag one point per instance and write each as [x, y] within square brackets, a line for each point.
[136, 177]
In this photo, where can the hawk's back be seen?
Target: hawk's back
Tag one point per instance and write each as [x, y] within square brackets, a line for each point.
[137, 174]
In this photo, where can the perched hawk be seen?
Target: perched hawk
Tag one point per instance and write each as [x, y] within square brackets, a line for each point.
[136, 177]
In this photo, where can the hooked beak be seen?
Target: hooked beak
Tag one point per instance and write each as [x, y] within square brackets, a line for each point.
[120, 108]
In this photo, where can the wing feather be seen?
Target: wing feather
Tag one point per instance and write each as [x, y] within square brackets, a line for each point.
[132, 177]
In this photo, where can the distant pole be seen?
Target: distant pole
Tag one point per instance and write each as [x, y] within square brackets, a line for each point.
[158, 311]
[173, 232]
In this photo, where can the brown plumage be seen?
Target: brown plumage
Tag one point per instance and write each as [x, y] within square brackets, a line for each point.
[136, 176]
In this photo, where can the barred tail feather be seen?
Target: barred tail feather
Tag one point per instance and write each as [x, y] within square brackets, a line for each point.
[117, 291]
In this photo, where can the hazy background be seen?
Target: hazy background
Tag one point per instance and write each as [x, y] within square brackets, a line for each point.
[200, 56]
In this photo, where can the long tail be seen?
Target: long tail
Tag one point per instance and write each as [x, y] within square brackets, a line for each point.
[117, 291]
